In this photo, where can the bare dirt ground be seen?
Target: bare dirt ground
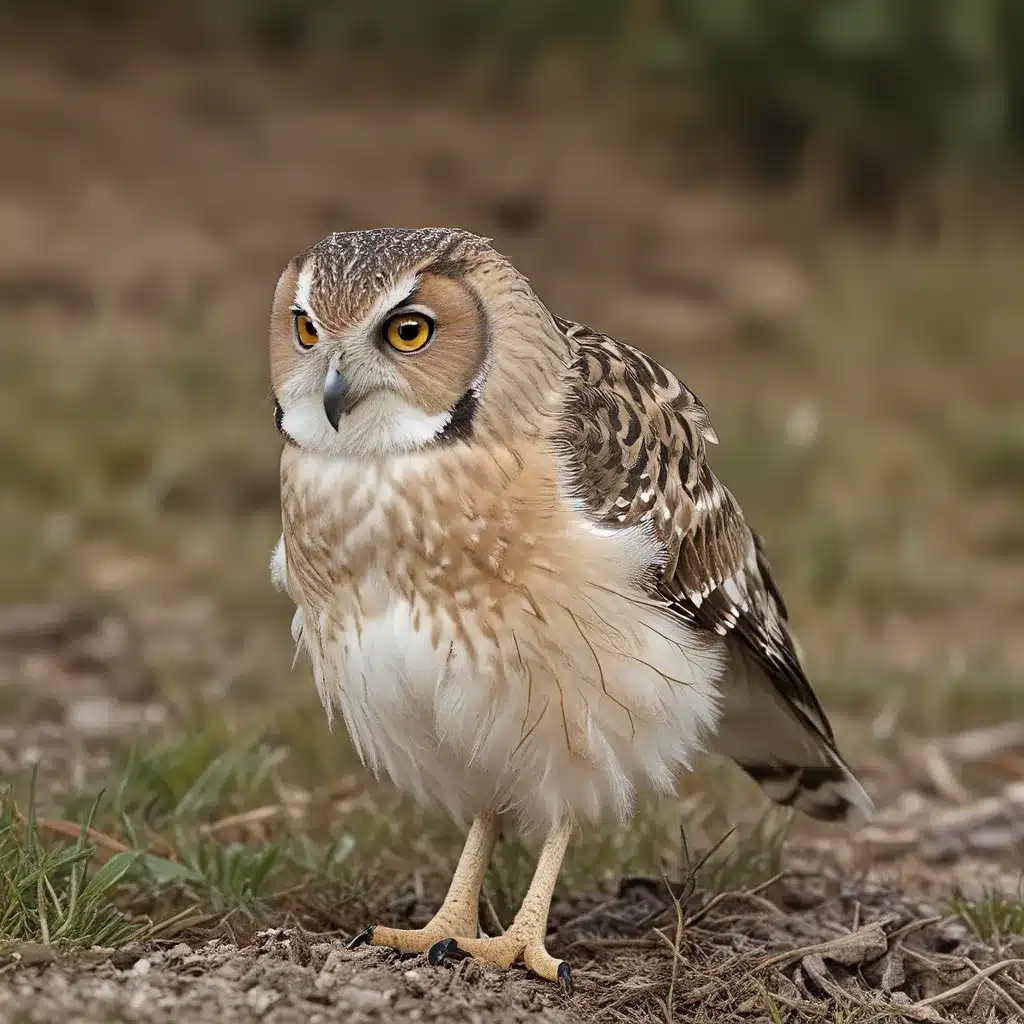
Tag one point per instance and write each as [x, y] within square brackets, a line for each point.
[742, 956]
[146, 207]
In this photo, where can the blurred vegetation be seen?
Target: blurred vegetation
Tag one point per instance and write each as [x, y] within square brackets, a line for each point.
[879, 96]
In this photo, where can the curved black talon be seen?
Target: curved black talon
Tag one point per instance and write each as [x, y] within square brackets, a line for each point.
[565, 978]
[441, 951]
[365, 936]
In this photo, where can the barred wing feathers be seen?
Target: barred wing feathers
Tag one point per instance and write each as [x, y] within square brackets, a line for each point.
[635, 438]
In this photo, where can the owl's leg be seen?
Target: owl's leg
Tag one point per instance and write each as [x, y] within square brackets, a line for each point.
[459, 913]
[524, 939]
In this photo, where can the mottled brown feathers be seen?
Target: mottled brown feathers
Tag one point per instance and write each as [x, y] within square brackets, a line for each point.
[636, 438]
[524, 503]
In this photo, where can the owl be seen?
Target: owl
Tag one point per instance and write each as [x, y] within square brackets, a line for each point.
[515, 574]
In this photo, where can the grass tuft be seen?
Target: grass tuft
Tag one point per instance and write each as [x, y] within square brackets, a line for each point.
[991, 453]
[57, 895]
[996, 917]
[747, 857]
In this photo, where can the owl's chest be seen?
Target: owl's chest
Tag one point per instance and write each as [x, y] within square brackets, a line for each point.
[477, 634]
[411, 551]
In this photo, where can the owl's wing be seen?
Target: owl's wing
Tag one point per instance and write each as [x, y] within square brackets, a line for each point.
[635, 439]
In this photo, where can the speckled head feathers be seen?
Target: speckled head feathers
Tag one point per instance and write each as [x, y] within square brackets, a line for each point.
[352, 269]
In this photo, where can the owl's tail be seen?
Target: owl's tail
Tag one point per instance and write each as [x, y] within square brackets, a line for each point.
[789, 750]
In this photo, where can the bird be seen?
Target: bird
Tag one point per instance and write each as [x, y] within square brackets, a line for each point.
[514, 571]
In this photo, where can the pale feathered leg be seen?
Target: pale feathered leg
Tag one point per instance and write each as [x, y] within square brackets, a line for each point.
[458, 915]
[524, 939]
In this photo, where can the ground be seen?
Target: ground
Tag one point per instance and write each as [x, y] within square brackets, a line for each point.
[866, 390]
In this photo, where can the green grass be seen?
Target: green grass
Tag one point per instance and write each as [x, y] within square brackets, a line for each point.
[927, 702]
[58, 895]
[996, 917]
[217, 828]
[991, 452]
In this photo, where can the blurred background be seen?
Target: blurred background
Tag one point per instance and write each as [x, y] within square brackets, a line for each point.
[811, 210]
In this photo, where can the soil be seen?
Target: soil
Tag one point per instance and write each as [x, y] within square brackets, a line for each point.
[803, 940]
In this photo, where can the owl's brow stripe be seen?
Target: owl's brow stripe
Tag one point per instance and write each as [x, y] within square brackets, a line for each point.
[410, 300]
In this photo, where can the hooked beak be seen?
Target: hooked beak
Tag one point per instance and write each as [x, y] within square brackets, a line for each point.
[338, 399]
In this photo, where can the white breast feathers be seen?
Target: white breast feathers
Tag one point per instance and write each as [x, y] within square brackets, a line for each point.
[487, 647]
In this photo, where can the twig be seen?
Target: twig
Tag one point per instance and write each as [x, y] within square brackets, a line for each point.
[73, 831]
[244, 819]
[966, 986]
[831, 946]
[1011, 1002]
[913, 926]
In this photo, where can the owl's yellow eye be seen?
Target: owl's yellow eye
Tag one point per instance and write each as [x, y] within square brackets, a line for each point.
[305, 331]
[408, 332]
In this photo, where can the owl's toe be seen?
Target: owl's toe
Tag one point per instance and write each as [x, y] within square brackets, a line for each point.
[364, 937]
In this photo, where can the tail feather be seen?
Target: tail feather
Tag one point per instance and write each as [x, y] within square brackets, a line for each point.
[787, 750]
[829, 792]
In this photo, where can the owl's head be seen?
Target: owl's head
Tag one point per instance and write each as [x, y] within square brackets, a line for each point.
[382, 341]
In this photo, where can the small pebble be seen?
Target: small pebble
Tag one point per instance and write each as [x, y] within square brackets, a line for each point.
[94, 716]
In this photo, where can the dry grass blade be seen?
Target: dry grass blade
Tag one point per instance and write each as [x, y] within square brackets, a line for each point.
[106, 845]
[941, 775]
[815, 968]
[245, 819]
[967, 986]
[587, 916]
[914, 926]
[689, 883]
[997, 989]
[869, 939]
[492, 913]
[979, 744]
[179, 923]
[737, 894]
[675, 949]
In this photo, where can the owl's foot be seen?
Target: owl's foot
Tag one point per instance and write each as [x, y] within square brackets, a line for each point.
[412, 940]
[458, 913]
[525, 938]
[522, 942]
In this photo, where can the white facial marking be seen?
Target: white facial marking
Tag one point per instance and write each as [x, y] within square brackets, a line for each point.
[303, 286]
[382, 422]
[403, 288]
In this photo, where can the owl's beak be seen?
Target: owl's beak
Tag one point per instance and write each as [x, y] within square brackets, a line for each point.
[338, 399]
